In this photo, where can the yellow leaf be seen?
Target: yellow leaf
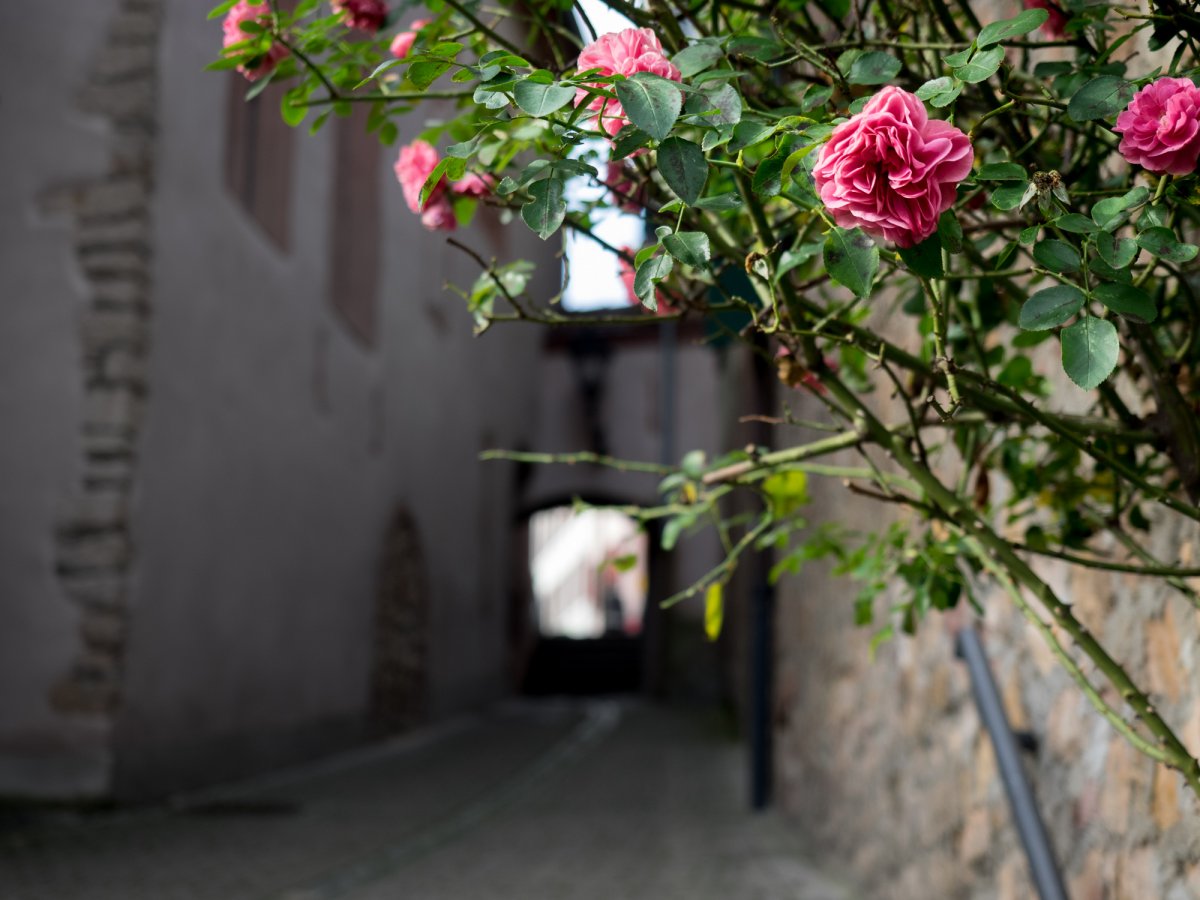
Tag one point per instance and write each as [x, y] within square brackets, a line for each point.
[788, 491]
[714, 610]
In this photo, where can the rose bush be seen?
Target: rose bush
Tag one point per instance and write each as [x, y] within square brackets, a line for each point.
[1012, 196]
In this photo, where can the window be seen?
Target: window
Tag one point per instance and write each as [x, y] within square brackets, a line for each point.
[354, 243]
[259, 153]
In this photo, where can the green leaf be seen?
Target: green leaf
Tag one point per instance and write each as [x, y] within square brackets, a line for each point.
[995, 32]
[1100, 98]
[874, 68]
[768, 177]
[259, 86]
[816, 95]
[1057, 256]
[950, 232]
[652, 103]
[1089, 351]
[983, 65]
[787, 491]
[628, 140]
[683, 166]
[696, 58]
[539, 99]
[851, 259]
[944, 98]
[749, 132]
[425, 72]
[1117, 253]
[291, 110]
[1162, 243]
[624, 563]
[1076, 224]
[220, 9]
[1153, 216]
[445, 49]
[954, 60]
[1005, 171]
[732, 200]
[1050, 307]
[761, 49]
[1128, 301]
[689, 247]
[925, 259]
[1110, 212]
[937, 86]
[450, 168]
[728, 104]
[649, 273]
[545, 212]
[1009, 196]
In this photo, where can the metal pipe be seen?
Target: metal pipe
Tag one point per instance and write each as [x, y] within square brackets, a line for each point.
[1032, 830]
[761, 657]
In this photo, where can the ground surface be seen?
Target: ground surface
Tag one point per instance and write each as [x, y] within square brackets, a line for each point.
[535, 802]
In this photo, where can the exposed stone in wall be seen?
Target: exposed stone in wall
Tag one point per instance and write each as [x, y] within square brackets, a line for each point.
[888, 765]
[112, 236]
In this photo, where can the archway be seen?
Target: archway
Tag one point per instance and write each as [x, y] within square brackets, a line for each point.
[589, 576]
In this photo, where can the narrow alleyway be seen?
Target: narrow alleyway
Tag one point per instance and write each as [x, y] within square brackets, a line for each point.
[533, 802]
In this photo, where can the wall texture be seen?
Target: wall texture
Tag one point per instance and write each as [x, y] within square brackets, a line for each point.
[206, 457]
[73, 262]
[887, 764]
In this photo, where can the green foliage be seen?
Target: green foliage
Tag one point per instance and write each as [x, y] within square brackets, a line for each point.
[995, 32]
[684, 168]
[1089, 351]
[851, 259]
[652, 103]
[1052, 235]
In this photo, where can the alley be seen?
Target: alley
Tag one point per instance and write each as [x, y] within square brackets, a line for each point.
[538, 802]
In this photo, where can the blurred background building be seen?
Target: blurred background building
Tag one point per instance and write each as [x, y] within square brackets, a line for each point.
[244, 521]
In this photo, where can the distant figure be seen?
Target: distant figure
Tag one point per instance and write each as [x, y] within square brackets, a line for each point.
[614, 613]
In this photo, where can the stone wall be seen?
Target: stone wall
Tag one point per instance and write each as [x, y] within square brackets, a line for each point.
[110, 215]
[886, 762]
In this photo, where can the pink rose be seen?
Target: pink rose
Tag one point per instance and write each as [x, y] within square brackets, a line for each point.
[621, 53]
[402, 43]
[244, 11]
[1160, 128]
[365, 15]
[624, 190]
[891, 170]
[413, 166]
[474, 185]
[1054, 27]
[439, 215]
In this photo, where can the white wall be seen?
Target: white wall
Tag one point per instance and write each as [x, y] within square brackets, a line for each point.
[45, 147]
[276, 448]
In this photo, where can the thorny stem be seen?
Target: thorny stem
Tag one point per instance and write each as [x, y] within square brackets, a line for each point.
[941, 316]
[1165, 741]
